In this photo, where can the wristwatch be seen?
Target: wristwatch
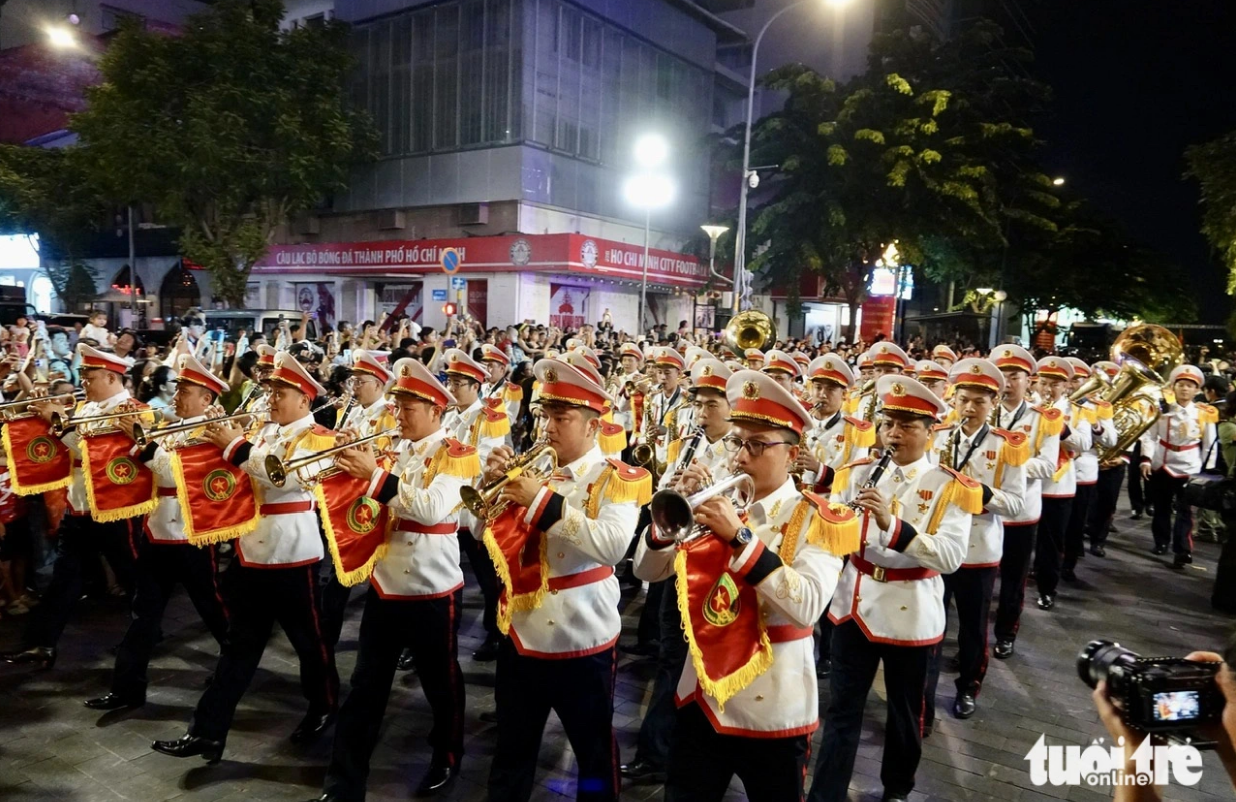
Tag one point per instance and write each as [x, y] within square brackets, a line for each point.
[742, 539]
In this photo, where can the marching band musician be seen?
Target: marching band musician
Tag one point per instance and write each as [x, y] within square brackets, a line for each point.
[887, 359]
[753, 358]
[561, 653]
[698, 460]
[628, 404]
[996, 459]
[80, 534]
[782, 369]
[1179, 445]
[166, 558]
[933, 376]
[498, 390]
[944, 356]
[1055, 375]
[1042, 428]
[484, 428]
[667, 405]
[416, 589]
[275, 577]
[889, 602]
[778, 567]
[1107, 489]
[1096, 414]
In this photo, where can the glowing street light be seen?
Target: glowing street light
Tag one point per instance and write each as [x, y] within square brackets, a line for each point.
[713, 232]
[61, 37]
[649, 189]
[1058, 181]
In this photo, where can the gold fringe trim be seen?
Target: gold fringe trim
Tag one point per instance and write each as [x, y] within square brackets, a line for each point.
[215, 535]
[524, 602]
[621, 490]
[120, 513]
[792, 531]
[729, 686]
[1103, 410]
[512, 393]
[500, 427]
[672, 451]
[467, 466]
[1061, 471]
[861, 438]
[360, 573]
[1050, 424]
[1207, 414]
[31, 490]
[611, 443]
[967, 499]
[1015, 455]
[836, 537]
[841, 479]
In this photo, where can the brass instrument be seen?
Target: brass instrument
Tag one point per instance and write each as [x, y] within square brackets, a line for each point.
[1146, 355]
[950, 447]
[483, 502]
[674, 514]
[1097, 383]
[9, 409]
[278, 471]
[61, 424]
[143, 438]
[615, 379]
[868, 389]
[750, 329]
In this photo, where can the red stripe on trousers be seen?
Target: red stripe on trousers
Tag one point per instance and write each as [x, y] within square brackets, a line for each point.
[317, 630]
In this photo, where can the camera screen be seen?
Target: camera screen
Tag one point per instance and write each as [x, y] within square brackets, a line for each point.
[1176, 706]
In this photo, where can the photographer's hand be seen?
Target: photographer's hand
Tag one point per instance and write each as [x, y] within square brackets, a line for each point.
[1117, 729]
[1223, 733]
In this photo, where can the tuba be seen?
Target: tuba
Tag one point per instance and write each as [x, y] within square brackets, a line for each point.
[538, 462]
[673, 513]
[750, 329]
[1097, 383]
[1146, 354]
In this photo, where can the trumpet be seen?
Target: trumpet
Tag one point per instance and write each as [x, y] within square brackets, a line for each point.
[538, 462]
[9, 409]
[674, 514]
[61, 424]
[143, 439]
[278, 471]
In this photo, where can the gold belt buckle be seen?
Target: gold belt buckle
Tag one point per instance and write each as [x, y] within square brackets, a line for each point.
[877, 573]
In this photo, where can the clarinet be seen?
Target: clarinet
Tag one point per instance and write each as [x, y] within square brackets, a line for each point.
[876, 473]
[688, 451]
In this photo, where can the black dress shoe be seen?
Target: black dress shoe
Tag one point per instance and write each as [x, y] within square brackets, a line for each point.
[928, 728]
[1159, 550]
[1068, 575]
[328, 797]
[964, 706]
[406, 661]
[1137, 515]
[1111, 529]
[489, 717]
[190, 745]
[824, 669]
[489, 650]
[1182, 560]
[1003, 649]
[1046, 601]
[1149, 511]
[440, 777]
[312, 725]
[114, 701]
[894, 796]
[646, 649]
[1098, 551]
[43, 656]
[641, 772]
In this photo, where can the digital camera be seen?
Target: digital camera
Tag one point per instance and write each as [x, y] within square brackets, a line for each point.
[1158, 695]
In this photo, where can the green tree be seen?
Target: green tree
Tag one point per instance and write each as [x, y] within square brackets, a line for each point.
[1213, 164]
[227, 129]
[46, 192]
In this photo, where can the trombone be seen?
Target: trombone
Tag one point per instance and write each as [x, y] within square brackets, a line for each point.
[278, 470]
[61, 424]
[143, 439]
[9, 409]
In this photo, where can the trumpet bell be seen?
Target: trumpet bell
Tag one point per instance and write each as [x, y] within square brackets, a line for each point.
[275, 471]
[538, 462]
[750, 329]
[674, 514]
[1146, 355]
[1097, 383]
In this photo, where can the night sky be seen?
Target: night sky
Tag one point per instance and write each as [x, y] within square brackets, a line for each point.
[1135, 83]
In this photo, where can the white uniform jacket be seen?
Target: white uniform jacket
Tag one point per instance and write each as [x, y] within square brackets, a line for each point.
[1181, 439]
[422, 547]
[166, 524]
[466, 427]
[1077, 439]
[287, 531]
[996, 459]
[587, 535]
[623, 412]
[781, 702]
[891, 586]
[1044, 451]
[366, 421]
[1102, 436]
[836, 442]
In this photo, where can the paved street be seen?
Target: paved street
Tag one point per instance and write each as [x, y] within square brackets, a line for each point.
[51, 747]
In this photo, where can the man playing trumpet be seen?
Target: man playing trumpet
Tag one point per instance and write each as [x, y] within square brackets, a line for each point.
[416, 590]
[560, 541]
[755, 585]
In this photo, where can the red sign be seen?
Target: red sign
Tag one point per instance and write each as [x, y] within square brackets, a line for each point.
[478, 299]
[878, 314]
[555, 253]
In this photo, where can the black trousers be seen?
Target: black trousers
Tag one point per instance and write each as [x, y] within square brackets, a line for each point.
[855, 660]
[824, 644]
[1075, 532]
[430, 627]
[971, 590]
[335, 598]
[1167, 496]
[656, 732]
[1223, 597]
[257, 598]
[581, 691]
[80, 540]
[649, 628]
[1014, 568]
[1049, 547]
[486, 578]
[702, 762]
[1106, 496]
[160, 568]
[1137, 485]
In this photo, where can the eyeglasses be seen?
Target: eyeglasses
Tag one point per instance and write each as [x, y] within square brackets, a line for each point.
[707, 405]
[756, 447]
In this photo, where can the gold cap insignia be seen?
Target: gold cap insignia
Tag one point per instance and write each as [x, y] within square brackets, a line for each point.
[706, 371]
[551, 375]
[454, 357]
[898, 389]
[884, 349]
[975, 369]
[750, 390]
[405, 371]
[1008, 352]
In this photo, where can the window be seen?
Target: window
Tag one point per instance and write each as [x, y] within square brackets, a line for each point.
[112, 18]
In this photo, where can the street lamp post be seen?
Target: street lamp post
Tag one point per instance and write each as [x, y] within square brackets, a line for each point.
[740, 235]
[648, 189]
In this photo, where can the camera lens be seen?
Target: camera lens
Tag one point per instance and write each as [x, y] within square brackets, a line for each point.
[1103, 660]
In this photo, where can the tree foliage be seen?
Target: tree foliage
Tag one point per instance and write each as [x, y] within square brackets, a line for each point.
[1213, 164]
[227, 129]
